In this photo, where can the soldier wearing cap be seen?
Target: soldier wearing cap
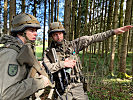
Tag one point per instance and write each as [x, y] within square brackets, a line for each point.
[14, 83]
[67, 52]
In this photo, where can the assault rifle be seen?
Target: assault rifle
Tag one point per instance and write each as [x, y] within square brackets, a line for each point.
[63, 82]
[61, 74]
[52, 81]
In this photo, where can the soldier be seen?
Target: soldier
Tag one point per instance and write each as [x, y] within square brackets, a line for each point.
[14, 83]
[68, 59]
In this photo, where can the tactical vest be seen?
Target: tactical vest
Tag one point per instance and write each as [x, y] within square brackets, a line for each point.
[64, 51]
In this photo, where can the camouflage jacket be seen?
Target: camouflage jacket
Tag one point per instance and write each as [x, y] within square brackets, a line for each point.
[69, 48]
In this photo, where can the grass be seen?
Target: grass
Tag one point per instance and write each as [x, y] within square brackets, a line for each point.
[100, 86]
[39, 51]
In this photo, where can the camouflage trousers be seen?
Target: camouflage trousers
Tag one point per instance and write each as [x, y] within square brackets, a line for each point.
[74, 91]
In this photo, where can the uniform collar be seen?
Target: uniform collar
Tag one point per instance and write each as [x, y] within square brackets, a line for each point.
[20, 41]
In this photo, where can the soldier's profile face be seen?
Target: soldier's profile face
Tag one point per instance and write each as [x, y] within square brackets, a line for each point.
[57, 36]
[31, 33]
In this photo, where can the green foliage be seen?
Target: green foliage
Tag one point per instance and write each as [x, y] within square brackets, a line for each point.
[101, 86]
[123, 76]
[111, 90]
[39, 50]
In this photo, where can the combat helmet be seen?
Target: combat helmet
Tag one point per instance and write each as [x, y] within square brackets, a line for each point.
[23, 21]
[56, 27]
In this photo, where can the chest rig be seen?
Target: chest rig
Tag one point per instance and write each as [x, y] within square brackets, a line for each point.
[66, 50]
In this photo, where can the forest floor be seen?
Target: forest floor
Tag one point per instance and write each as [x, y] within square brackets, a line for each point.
[103, 86]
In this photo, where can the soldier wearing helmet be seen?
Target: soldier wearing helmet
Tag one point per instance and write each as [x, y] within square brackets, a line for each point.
[14, 83]
[68, 60]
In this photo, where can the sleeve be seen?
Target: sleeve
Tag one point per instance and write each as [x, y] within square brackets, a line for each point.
[13, 84]
[85, 41]
[23, 89]
[53, 67]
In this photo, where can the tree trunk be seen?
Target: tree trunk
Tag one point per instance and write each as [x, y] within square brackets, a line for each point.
[67, 13]
[35, 6]
[52, 8]
[58, 12]
[49, 21]
[101, 26]
[71, 37]
[93, 25]
[45, 7]
[122, 65]
[115, 24]
[12, 12]
[85, 30]
[89, 25]
[55, 11]
[129, 48]
[104, 28]
[109, 26]
[90, 14]
[5, 16]
[79, 20]
[120, 25]
[23, 6]
[86, 13]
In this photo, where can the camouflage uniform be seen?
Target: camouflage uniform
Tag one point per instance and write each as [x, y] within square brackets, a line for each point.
[14, 84]
[69, 49]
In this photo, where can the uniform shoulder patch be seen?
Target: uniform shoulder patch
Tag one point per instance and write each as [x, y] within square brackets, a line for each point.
[12, 69]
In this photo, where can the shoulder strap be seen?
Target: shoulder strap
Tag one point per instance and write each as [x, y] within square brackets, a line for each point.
[13, 46]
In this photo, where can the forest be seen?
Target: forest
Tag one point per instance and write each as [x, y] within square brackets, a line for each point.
[108, 65]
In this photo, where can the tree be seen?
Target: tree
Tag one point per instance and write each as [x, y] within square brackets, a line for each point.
[101, 24]
[109, 26]
[79, 19]
[23, 6]
[52, 8]
[85, 29]
[5, 16]
[120, 25]
[55, 11]
[45, 7]
[113, 41]
[67, 17]
[12, 12]
[104, 26]
[71, 36]
[35, 6]
[49, 21]
[58, 11]
[123, 54]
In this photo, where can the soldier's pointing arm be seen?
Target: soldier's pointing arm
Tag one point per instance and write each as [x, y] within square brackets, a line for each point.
[85, 41]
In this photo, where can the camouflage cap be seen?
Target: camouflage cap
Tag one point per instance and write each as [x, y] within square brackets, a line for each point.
[22, 21]
[56, 27]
